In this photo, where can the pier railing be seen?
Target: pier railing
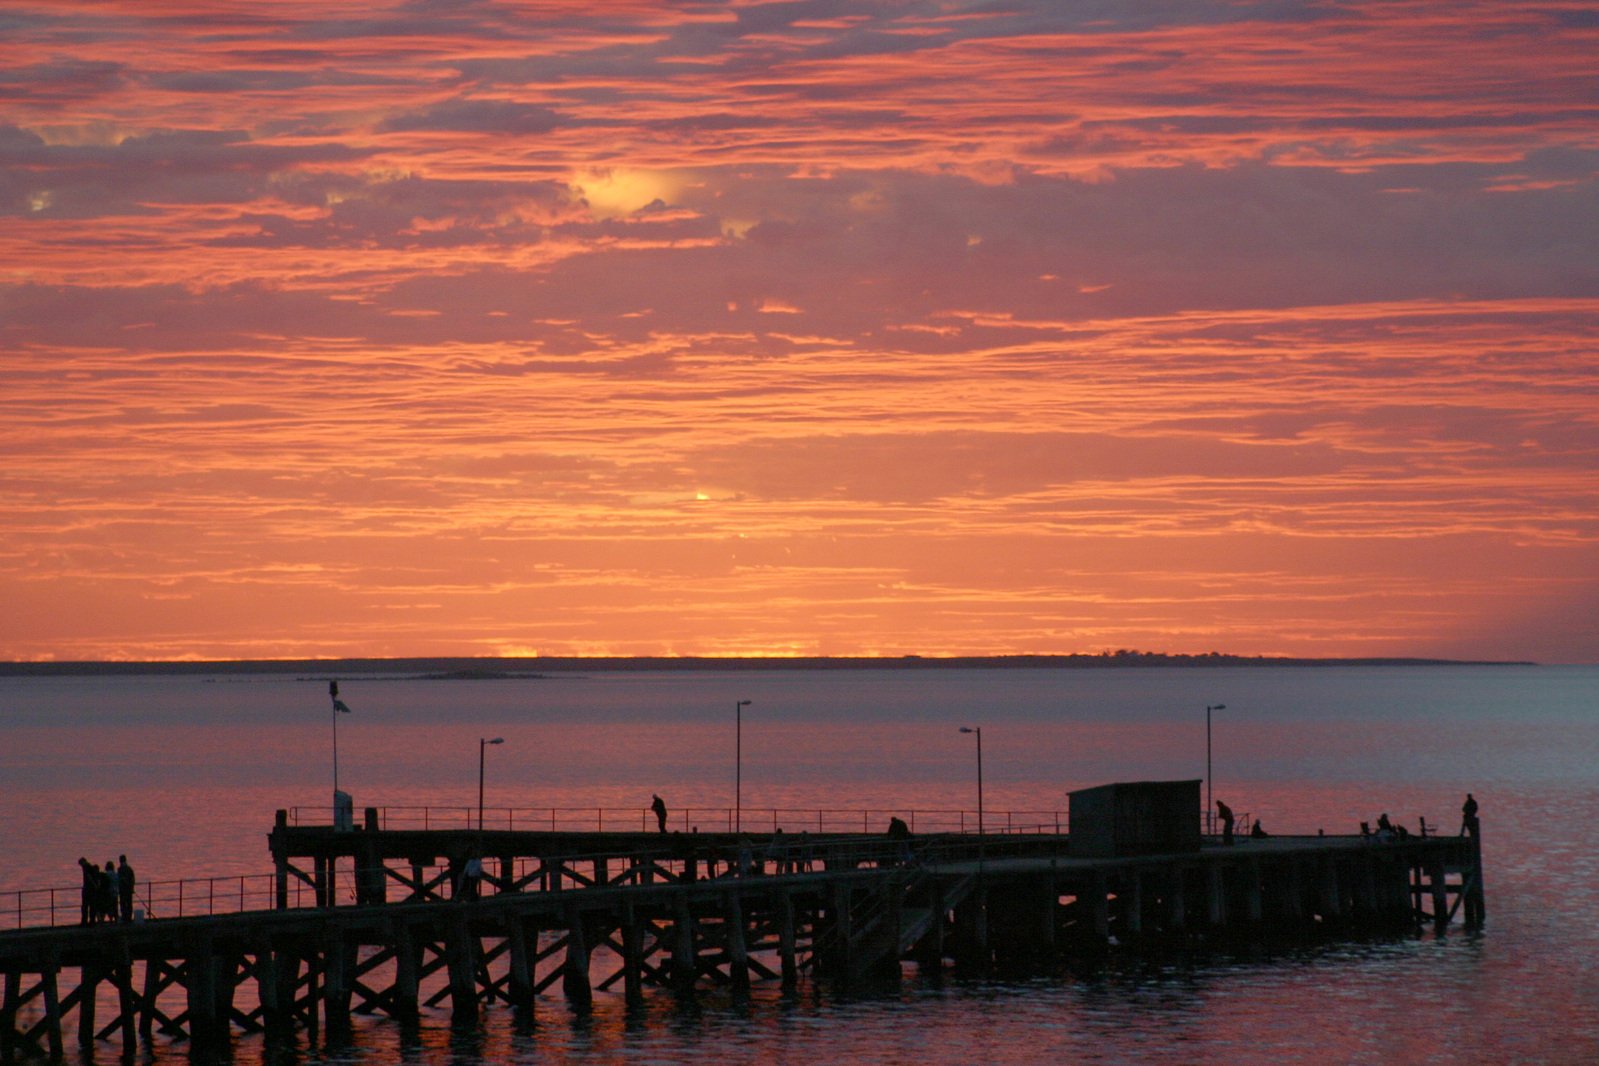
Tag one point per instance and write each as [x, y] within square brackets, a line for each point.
[200, 896]
[703, 819]
[187, 897]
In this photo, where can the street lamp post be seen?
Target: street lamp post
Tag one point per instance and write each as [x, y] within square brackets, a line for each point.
[979, 732]
[738, 764]
[482, 746]
[339, 707]
[1210, 809]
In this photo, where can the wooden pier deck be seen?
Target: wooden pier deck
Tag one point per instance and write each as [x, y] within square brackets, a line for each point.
[380, 921]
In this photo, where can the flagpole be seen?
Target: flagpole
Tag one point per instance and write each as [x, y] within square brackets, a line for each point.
[333, 695]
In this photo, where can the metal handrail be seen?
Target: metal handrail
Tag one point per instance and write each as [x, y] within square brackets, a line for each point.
[236, 893]
[689, 819]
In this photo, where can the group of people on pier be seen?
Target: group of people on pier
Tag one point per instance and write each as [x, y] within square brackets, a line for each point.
[107, 893]
[1388, 830]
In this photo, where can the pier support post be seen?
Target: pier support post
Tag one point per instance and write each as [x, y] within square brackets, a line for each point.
[738, 960]
[785, 940]
[684, 965]
[843, 929]
[336, 986]
[1099, 905]
[152, 984]
[1365, 885]
[8, 1016]
[407, 974]
[575, 969]
[1440, 894]
[461, 951]
[1047, 902]
[1176, 906]
[520, 976]
[1331, 895]
[280, 861]
[88, 982]
[127, 1004]
[205, 1028]
[1476, 902]
[1216, 895]
[49, 968]
[1253, 911]
[632, 956]
[1133, 903]
[268, 987]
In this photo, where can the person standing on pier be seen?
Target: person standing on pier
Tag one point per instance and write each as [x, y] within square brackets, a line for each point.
[91, 891]
[1468, 816]
[1225, 813]
[125, 887]
[658, 805]
[471, 879]
[108, 889]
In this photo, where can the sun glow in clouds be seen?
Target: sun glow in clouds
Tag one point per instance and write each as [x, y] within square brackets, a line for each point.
[615, 192]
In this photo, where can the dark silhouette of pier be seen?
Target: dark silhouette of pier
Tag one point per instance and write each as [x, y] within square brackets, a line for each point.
[371, 920]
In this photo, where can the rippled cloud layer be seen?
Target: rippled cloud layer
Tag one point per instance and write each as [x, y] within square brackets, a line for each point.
[800, 327]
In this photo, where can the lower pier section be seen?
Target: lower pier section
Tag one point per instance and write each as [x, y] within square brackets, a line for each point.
[314, 969]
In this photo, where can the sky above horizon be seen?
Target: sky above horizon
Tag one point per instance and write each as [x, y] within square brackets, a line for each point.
[818, 327]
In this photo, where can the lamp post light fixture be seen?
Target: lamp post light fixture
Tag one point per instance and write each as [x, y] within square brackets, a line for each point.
[738, 765]
[1210, 807]
[978, 730]
[482, 746]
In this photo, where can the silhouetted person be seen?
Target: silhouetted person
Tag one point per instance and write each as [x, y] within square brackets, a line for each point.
[471, 876]
[1468, 816]
[900, 833]
[91, 892]
[1258, 833]
[125, 887]
[1383, 824]
[658, 805]
[1225, 813]
[108, 892]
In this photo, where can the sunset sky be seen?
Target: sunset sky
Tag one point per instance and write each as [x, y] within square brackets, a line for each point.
[862, 327]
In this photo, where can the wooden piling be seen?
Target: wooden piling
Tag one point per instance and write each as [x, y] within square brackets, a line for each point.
[88, 983]
[632, 956]
[1215, 896]
[1133, 903]
[52, 1004]
[786, 940]
[461, 950]
[684, 965]
[575, 969]
[738, 962]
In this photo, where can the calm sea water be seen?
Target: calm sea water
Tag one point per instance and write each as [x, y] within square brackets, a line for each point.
[183, 774]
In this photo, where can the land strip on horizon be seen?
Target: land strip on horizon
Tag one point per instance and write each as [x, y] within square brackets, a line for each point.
[488, 668]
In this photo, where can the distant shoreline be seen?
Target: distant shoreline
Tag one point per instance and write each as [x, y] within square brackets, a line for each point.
[465, 668]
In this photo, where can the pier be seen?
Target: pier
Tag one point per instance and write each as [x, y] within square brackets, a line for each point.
[387, 919]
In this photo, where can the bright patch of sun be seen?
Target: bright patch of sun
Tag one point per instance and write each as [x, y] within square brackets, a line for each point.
[622, 190]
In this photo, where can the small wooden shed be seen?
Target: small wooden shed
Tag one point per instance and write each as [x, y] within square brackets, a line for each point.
[1135, 818]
